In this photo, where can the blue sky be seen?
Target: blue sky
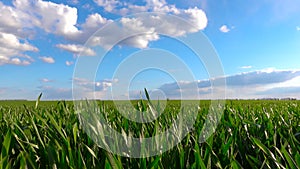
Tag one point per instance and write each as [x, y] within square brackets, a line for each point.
[258, 43]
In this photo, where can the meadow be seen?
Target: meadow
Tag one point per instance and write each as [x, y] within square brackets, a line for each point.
[251, 134]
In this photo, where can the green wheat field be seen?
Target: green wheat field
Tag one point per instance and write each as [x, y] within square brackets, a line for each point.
[250, 134]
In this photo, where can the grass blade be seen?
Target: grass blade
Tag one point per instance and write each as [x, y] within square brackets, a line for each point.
[288, 158]
[38, 100]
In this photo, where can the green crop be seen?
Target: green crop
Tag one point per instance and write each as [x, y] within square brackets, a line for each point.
[251, 134]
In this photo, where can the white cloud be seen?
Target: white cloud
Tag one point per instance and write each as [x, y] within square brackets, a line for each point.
[246, 67]
[21, 20]
[142, 29]
[13, 43]
[60, 19]
[51, 17]
[194, 15]
[77, 49]
[150, 26]
[197, 17]
[294, 82]
[10, 41]
[161, 6]
[298, 28]
[132, 31]
[135, 26]
[45, 80]
[125, 8]
[94, 22]
[108, 5]
[10, 19]
[18, 23]
[131, 8]
[88, 85]
[84, 88]
[69, 63]
[11, 50]
[47, 59]
[13, 61]
[224, 29]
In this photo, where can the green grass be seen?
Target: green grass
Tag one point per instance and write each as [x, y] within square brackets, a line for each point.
[251, 134]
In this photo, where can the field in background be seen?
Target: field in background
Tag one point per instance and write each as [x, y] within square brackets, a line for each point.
[251, 134]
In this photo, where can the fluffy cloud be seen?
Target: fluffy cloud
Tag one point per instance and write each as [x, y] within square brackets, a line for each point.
[141, 30]
[13, 61]
[11, 50]
[92, 23]
[18, 23]
[224, 29]
[108, 5]
[298, 28]
[109, 35]
[147, 28]
[192, 20]
[129, 26]
[10, 19]
[12, 44]
[22, 19]
[77, 49]
[51, 17]
[10, 41]
[196, 16]
[47, 59]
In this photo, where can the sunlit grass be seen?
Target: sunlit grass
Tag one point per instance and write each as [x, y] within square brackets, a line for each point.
[251, 134]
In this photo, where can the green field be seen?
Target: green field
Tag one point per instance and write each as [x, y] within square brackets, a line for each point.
[251, 134]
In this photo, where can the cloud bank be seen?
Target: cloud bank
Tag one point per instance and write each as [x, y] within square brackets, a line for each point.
[21, 20]
[268, 83]
[256, 84]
